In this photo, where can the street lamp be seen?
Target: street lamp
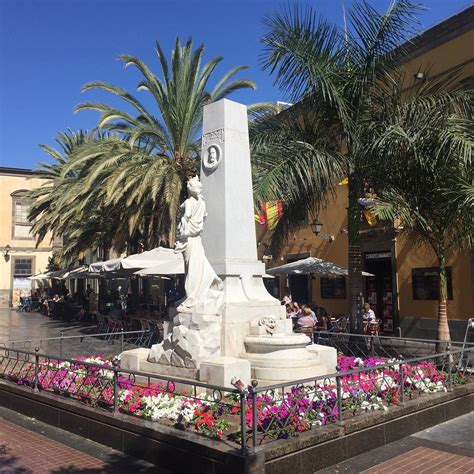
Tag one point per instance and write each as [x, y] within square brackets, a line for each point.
[316, 227]
[6, 253]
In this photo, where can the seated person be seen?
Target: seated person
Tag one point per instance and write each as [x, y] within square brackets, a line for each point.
[321, 317]
[371, 325]
[307, 318]
[306, 322]
[368, 314]
[286, 297]
[307, 311]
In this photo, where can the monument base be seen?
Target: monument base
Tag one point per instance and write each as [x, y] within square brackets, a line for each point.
[204, 348]
[284, 357]
[280, 365]
[192, 338]
[221, 370]
[216, 371]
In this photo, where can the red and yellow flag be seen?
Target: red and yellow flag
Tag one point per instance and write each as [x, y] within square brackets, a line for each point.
[271, 213]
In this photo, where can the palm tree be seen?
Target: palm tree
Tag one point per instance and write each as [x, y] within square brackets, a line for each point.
[426, 150]
[340, 79]
[143, 165]
[56, 209]
[45, 212]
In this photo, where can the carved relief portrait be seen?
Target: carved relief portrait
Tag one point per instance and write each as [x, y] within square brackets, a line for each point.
[212, 157]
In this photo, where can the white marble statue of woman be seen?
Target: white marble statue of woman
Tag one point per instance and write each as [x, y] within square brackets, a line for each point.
[204, 289]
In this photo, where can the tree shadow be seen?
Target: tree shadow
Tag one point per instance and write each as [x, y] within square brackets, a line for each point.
[9, 463]
[117, 464]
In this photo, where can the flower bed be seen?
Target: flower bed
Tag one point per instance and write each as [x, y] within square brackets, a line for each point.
[280, 414]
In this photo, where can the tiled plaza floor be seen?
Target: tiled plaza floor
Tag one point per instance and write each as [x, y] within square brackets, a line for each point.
[28, 446]
[34, 328]
[16, 325]
[444, 449]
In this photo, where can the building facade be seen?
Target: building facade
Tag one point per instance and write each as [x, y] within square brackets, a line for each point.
[20, 257]
[404, 290]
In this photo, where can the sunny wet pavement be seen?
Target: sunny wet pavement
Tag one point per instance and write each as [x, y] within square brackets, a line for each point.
[30, 330]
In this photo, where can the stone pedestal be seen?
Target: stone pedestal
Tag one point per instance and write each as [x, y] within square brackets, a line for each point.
[192, 338]
[286, 357]
[220, 370]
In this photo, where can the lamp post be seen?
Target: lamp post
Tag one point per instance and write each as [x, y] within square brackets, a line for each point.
[316, 227]
[6, 253]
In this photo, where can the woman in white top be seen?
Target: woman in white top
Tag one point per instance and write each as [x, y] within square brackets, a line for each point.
[368, 314]
[286, 297]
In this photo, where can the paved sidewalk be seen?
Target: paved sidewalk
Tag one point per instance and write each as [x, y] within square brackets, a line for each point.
[33, 329]
[444, 449]
[28, 446]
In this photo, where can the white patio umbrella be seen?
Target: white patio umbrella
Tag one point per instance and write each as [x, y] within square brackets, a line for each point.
[81, 272]
[312, 265]
[40, 276]
[107, 265]
[137, 261]
[150, 258]
[172, 267]
[55, 275]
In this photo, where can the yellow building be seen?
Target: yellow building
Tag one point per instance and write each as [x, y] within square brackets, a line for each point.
[20, 257]
[404, 291]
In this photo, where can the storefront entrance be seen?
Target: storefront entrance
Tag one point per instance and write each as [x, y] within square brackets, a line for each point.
[299, 287]
[379, 288]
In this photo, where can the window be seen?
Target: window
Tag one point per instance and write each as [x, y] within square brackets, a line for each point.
[23, 267]
[21, 208]
[333, 288]
[425, 283]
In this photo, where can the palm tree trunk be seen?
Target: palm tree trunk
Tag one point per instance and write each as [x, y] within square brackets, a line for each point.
[443, 327]
[355, 257]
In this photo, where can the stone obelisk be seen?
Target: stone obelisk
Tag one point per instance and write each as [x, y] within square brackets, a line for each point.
[229, 237]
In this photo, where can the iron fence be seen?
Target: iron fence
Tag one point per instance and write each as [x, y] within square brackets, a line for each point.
[284, 410]
[243, 418]
[363, 345]
[85, 344]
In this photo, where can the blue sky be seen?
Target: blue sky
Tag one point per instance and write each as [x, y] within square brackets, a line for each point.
[50, 48]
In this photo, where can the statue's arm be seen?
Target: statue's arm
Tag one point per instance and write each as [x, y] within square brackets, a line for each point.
[186, 210]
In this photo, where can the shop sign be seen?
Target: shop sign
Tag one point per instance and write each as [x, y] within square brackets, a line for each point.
[378, 255]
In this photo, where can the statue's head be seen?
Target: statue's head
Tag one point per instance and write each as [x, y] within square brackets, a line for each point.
[212, 155]
[194, 186]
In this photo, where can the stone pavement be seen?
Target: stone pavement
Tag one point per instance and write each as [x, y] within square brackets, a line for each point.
[34, 328]
[446, 448]
[28, 446]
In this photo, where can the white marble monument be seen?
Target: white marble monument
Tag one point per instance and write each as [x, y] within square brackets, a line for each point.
[196, 330]
[228, 325]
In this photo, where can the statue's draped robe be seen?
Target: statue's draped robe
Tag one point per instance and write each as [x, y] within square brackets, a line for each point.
[202, 285]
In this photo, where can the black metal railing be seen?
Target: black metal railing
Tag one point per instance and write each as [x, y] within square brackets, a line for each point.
[375, 345]
[245, 418]
[284, 410]
[84, 344]
[188, 405]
